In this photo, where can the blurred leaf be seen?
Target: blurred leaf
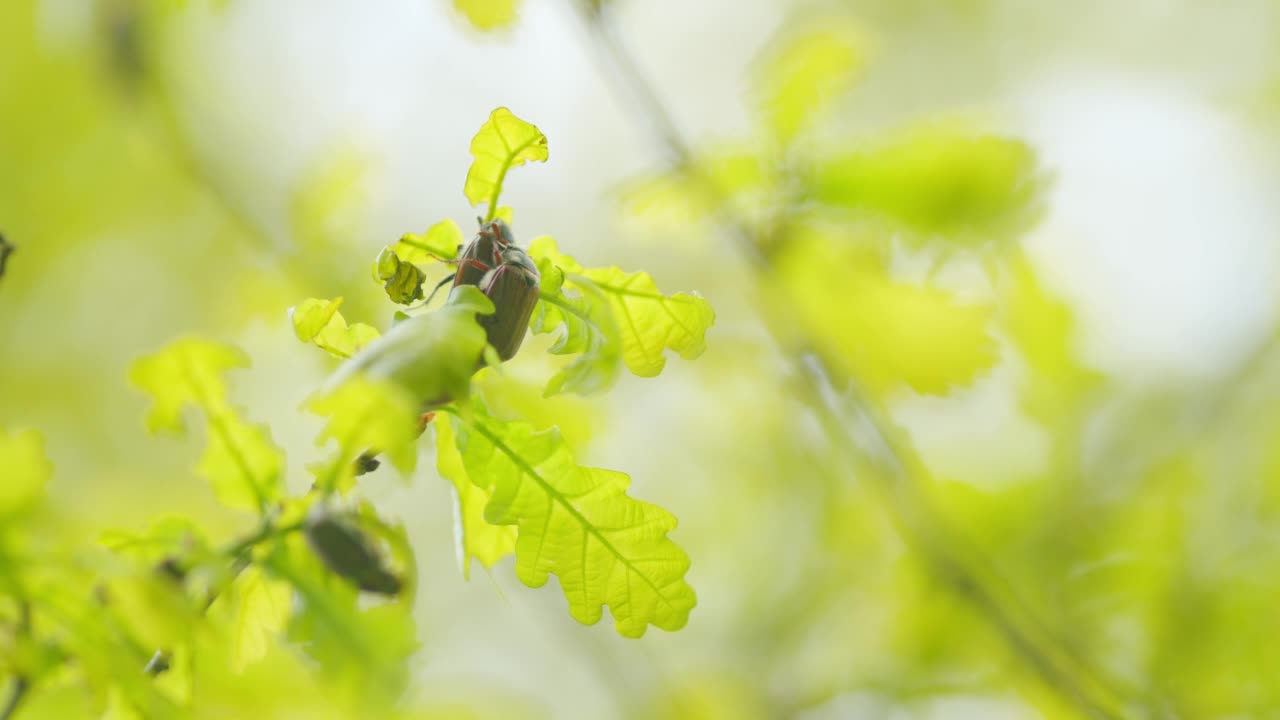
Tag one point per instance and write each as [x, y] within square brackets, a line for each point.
[802, 71]
[941, 180]
[323, 210]
[577, 522]
[365, 415]
[260, 606]
[736, 176]
[475, 537]
[362, 652]
[439, 241]
[648, 322]
[1043, 329]
[186, 372]
[884, 332]
[489, 14]
[171, 536]
[318, 321]
[503, 142]
[240, 462]
[430, 356]
[25, 469]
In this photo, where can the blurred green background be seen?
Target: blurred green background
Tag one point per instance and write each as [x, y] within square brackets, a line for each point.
[195, 169]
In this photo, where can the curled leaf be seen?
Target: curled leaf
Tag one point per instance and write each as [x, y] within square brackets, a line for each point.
[401, 280]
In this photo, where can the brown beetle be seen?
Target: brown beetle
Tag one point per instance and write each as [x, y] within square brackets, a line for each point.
[513, 288]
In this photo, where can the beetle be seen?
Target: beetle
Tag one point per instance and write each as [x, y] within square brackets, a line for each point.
[479, 256]
[506, 275]
[513, 288]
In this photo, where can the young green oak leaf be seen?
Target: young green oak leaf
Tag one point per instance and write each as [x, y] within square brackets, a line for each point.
[940, 180]
[26, 469]
[430, 356]
[475, 538]
[884, 332]
[439, 241]
[577, 522]
[589, 332]
[489, 14]
[240, 462]
[503, 142]
[802, 71]
[319, 322]
[648, 322]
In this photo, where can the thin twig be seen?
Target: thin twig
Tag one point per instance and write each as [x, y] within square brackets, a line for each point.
[868, 438]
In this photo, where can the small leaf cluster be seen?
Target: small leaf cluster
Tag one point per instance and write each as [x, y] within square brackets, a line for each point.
[317, 589]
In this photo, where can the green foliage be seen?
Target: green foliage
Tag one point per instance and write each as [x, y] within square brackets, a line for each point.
[645, 322]
[476, 538]
[578, 522]
[797, 77]
[319, 321]
[504, 141]
[240, 462]
[939, 180]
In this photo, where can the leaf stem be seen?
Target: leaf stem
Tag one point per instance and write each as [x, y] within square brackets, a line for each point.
[866, 438]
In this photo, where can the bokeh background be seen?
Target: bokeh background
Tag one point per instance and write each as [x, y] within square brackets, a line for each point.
[195, 169]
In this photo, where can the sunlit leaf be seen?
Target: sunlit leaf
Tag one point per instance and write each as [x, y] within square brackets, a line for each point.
[489, 14]
[439, 241]
[886, 333]
[802, 71]
[430, 356]
[589, 332]
[475, 537]
[319, 322]
[260, 607]
[648, 322]
[503, 142]
[578, 523]
[25, 470]
[365, 415]
[940, 180]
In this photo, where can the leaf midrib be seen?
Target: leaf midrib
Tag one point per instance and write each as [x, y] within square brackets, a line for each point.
[556, 495]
